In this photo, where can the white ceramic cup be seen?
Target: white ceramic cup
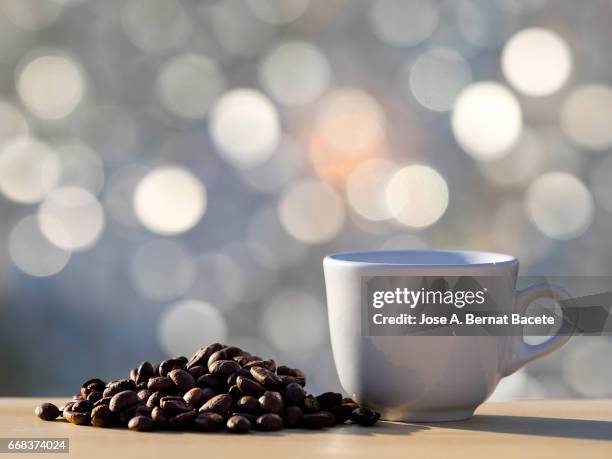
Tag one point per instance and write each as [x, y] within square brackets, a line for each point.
[425, 378]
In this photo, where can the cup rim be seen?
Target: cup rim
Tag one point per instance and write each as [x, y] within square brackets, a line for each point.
[366, 258]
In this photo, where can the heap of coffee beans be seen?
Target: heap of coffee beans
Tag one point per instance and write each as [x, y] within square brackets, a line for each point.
[220, 387]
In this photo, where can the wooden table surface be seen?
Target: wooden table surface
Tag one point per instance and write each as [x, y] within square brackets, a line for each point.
[533, 429]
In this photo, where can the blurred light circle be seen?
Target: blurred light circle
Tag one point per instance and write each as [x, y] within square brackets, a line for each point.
[71, 218]
[295, 73]
[365, 188]
[245, 127]
[350, 120]
[586, 115]
[278, 11]
[32, 253]
[559, 205]
[537, 62]
[294, 321]
[188, 85]
[29, 169]
[51, 87]
[188, 325]
[404, 22]
[417, 196]
[311, 211]
[81, 166]
[601, 183]
[487, 120]
[12, 122]
[155, 26]
[169, 200]
[219, 279]
[32, 14]
[437, 77]
[161, 270]
[586, 369]
[111, 130]
[270, 243]
[520, 165]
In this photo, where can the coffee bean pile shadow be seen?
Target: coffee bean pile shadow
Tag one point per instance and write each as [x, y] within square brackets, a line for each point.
[220, 387]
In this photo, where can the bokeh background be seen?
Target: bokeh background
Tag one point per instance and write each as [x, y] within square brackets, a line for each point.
[173, 171]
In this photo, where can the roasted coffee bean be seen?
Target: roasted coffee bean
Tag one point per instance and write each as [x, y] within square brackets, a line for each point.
[311, 405]
[134, 374]
[102, 401]
[284, 370]
[234, 392]
[47, 411]
[77, 397]
[141, 386]
[227, 353]
[144, 372]
[154, 399]
[208, 422]
[167, 366]
[250, 417]
[183, 420]
[94, 396]
[161, 384]
[238, 424]
[249, 387]
[94, 384]
[234, 376]
[329, 399]
[223, 368]
[244, 359]
[271, 402]
[219, 404]
[209, 393]
[316, 420]
[342, 412]
[161, 421]
[143, 410]
[125, 384]
[286, 380]
[269, 365]
[172, 406]
[101, 416]
[200, 358]
[195, 397]
[294, 394]
[365, 417]
[74, 417]
[248, 405]
[144, 394]
[124, 417]
[182, 379]
[123, 400]
[67, 407]
[269, 422]
[209, 380]
[82, 406]
[198, 371]
[266, 378]
[141, 424]
[293, 416]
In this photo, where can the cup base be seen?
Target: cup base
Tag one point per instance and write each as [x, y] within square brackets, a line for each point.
[438, 416]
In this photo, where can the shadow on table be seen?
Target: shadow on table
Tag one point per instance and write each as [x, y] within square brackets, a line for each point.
[543, 427]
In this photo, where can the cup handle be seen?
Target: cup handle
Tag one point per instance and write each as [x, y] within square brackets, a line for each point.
[521, 352]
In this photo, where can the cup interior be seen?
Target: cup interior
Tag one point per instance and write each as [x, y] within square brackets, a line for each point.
[425, 258]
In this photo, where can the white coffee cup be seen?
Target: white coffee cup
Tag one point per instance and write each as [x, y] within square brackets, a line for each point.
[426, 378]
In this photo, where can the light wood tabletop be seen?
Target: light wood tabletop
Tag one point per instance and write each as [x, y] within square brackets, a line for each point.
[534, 429]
